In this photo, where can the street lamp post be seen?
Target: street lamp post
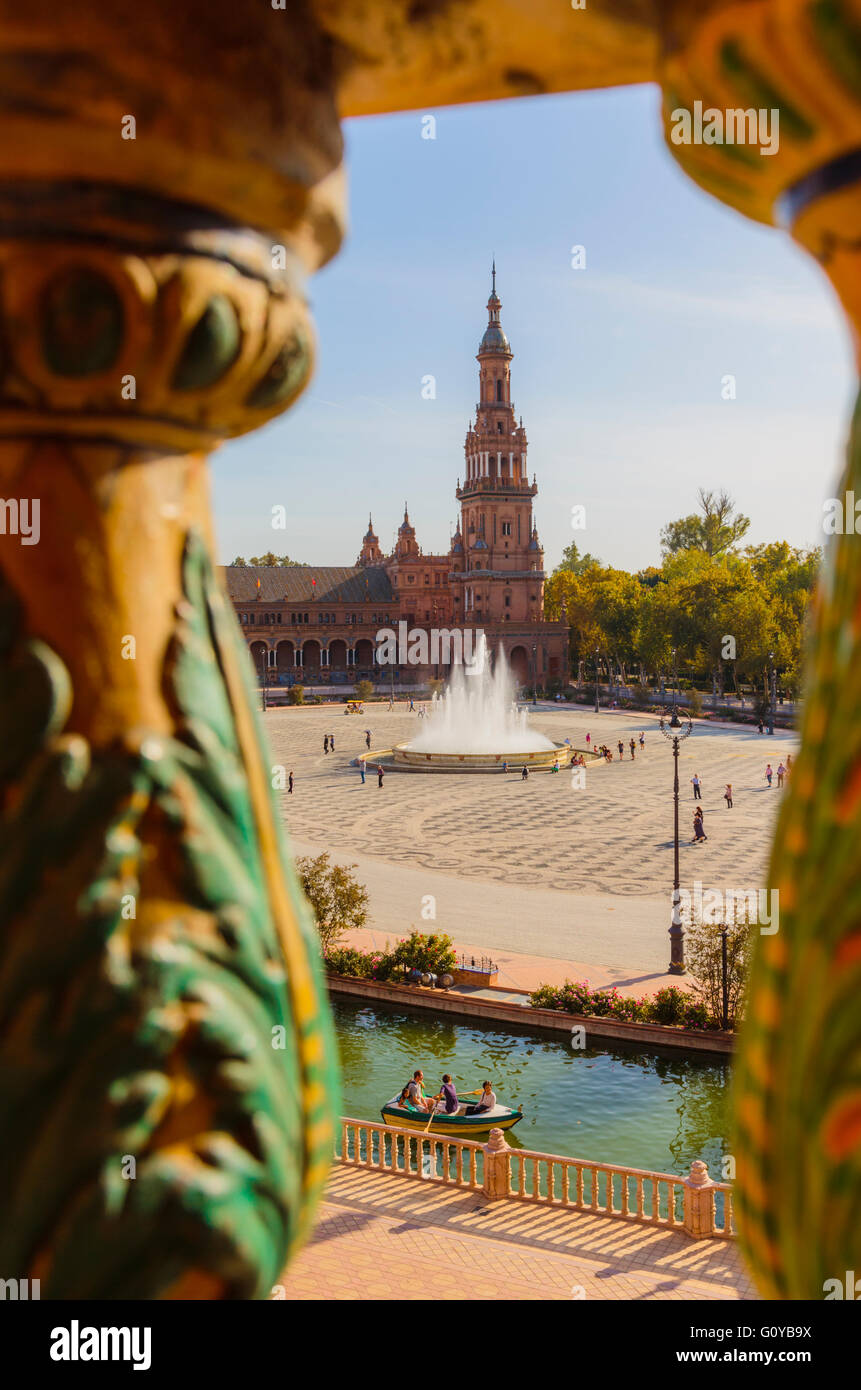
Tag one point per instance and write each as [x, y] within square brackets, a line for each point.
[677, 732]
[597, 673]
[263, 673]
[534, 674]
[675, 681]
[772, 690]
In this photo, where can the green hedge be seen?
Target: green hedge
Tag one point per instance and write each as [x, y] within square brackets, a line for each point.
[669, 1005]
[431, 952]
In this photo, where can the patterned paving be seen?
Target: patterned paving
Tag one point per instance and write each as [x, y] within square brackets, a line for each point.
[382, 1237]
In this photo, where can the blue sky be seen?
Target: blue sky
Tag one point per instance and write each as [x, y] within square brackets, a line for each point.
[617, 369]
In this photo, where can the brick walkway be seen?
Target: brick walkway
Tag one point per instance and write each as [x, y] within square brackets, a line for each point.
[382, 1237]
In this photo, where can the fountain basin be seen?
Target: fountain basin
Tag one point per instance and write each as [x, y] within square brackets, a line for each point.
[408, 759]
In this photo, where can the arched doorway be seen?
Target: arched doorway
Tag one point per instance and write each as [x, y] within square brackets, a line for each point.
[286, 658]
[365, 655]
[258, 653]
[519, 662]
[338, 655]
[311, 659]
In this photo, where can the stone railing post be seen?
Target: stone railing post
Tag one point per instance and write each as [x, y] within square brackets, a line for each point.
[496, 1166]
[699, 1217]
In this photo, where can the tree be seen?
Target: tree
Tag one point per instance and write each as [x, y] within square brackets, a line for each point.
[704, 951]
[716, 531]
[271, 561]
[573, 562]
[238, 563]
[339, 902]
[296, 695]
[364, 690]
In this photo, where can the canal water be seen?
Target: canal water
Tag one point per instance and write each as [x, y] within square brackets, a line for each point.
[608, 1105]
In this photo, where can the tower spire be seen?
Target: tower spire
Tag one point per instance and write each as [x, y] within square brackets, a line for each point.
[494, 275]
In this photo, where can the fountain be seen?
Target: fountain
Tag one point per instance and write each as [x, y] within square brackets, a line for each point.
[475, 725]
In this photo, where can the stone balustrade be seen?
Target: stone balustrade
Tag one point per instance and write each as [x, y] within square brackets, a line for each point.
[494, 1169]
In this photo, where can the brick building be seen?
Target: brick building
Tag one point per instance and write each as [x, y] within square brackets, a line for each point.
[318, 624]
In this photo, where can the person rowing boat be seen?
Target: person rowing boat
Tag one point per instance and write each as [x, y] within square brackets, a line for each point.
[487, 1101]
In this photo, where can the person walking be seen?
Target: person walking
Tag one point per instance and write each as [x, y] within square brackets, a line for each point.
[633, 747]
[760, 726]
[412, 706]
[290, 784]
[727, 796]
[588, 740]
[699, 829]
[781, 773]
[525, 773]
[621, 747]
[768, 773]
[379, 775]
[325, 743]
[642, 739]
[331, 743]
[697, 786]
[367, 738]
[504, 765]
[788, 763]
[362, 769]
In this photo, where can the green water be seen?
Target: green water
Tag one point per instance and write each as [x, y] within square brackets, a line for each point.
[638, 1110]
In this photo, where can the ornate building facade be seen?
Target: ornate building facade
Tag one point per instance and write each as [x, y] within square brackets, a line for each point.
[318, 625]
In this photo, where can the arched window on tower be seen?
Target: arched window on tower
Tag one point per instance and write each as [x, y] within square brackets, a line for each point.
[499, 388]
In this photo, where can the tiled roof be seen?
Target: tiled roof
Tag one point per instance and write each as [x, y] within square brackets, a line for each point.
[292, 583]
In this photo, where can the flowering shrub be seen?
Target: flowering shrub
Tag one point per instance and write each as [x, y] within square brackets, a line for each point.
[669, 1005]
[430, 951]
[363, 965]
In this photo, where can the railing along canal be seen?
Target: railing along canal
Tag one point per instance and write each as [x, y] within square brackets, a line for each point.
[694, 1205]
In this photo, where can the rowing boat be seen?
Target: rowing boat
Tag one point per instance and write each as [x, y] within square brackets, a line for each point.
[458, 1124]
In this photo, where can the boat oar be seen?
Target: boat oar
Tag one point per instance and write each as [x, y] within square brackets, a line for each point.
[432, 1113]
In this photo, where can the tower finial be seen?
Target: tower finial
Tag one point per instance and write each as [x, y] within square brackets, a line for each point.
[494, 275]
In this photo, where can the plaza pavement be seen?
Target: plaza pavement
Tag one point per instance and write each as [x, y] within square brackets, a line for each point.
[539, 869]
[383, 1237]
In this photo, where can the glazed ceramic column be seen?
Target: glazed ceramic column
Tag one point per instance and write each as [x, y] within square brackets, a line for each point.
[169, 175]
[798, 1077]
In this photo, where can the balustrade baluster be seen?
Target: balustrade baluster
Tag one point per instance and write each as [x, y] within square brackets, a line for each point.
[431, 1151]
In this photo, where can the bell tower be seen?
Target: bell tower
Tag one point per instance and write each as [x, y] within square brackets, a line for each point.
[503, 563]
[370, 554]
